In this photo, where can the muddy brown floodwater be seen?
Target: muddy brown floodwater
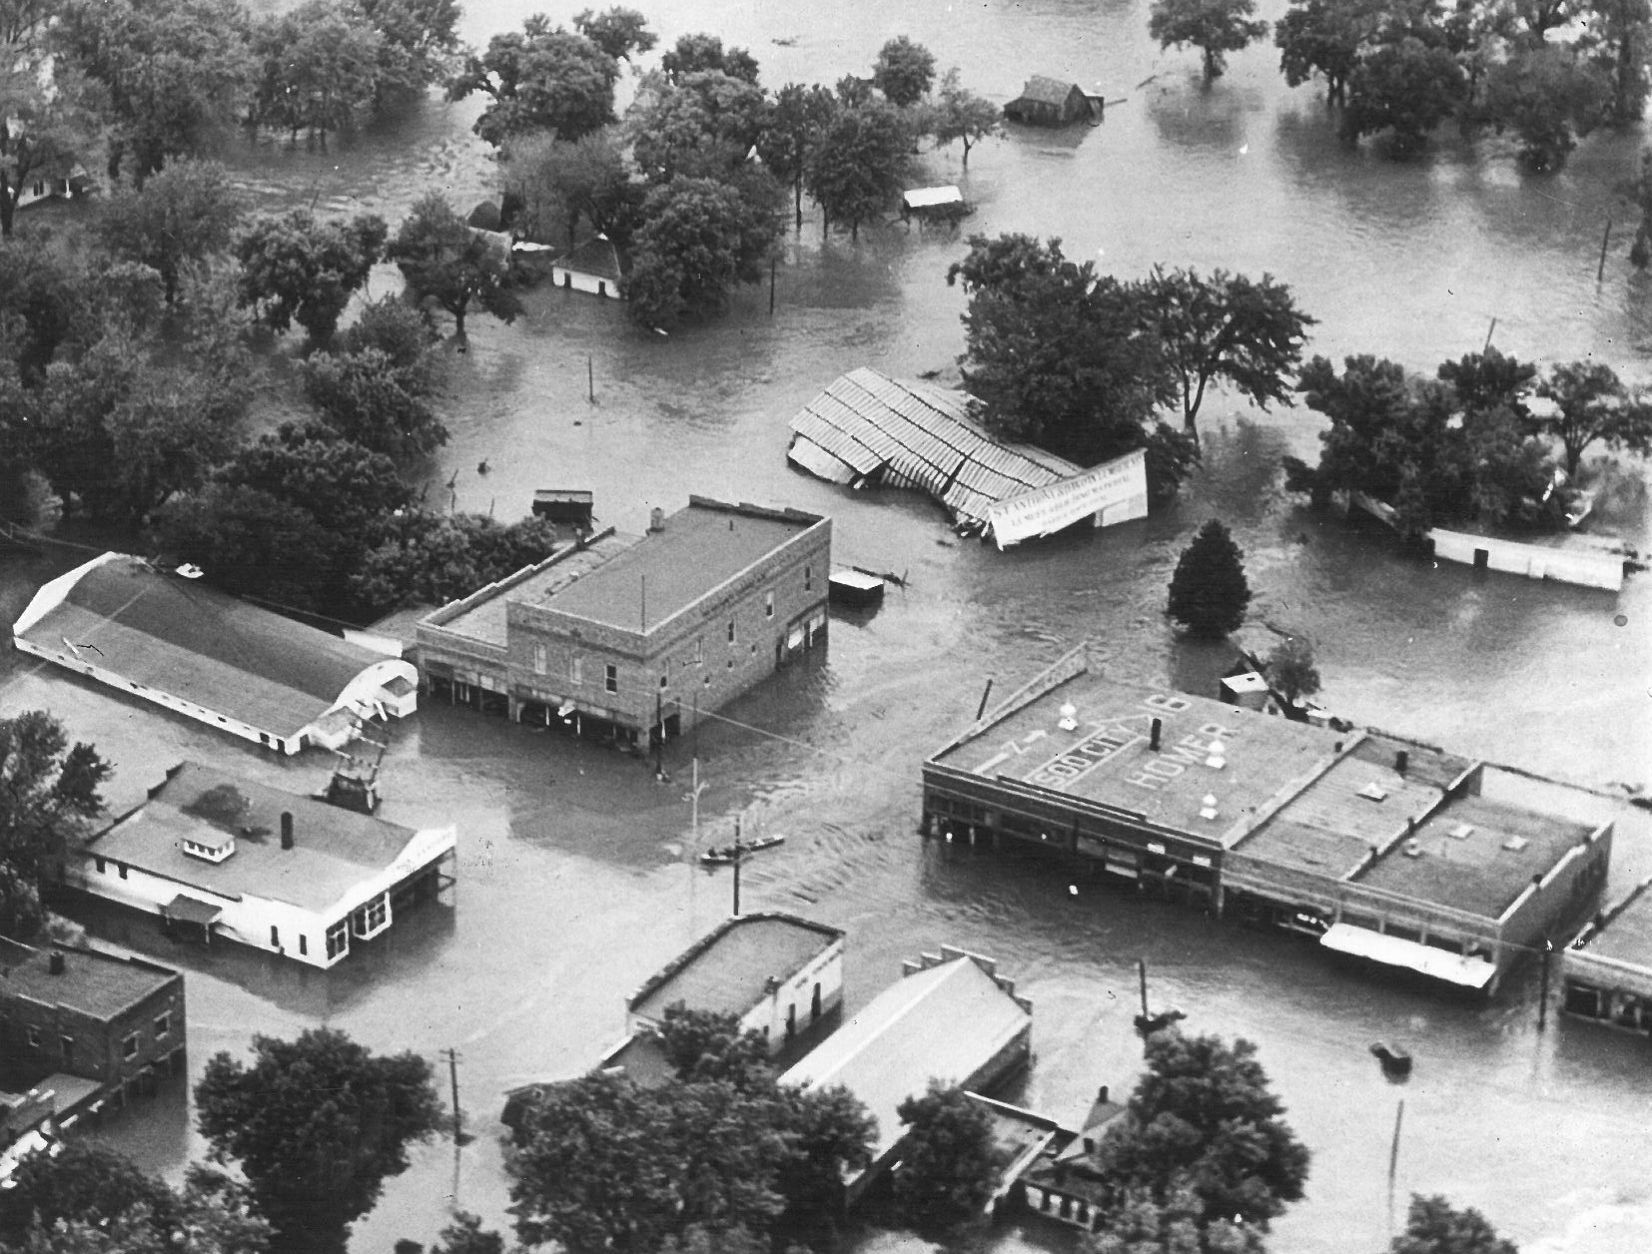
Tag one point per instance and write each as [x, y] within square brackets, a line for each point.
[573, 879]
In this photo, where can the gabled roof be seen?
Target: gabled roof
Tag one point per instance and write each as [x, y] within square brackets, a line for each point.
[333, 849]
[866, 424]
[179, 636]
[596, 256]
[945, 1022]
[1051, 91]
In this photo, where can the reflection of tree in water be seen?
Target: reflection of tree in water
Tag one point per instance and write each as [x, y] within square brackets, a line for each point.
[1190, 117]
[1239, 474]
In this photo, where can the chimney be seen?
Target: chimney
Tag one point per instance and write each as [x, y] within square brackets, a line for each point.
[1154, 733]
[656, 519]
[1402, 761]
[55, 962]
[286, 829]
[1101, 1093]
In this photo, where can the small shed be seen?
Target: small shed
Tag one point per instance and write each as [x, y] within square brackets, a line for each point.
[564, 505]
[855, 587]
[593, 267]
[1051, 102]
[945, 204]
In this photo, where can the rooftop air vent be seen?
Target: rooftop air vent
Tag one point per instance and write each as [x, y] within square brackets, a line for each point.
[1069, 717]
[1514, 844]
[1374, 792]
[1218, 755]
[1462, 831]
[209, 846]
[1207, 806]
[1413, 848]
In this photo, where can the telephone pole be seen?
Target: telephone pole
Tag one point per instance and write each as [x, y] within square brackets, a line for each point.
[737, 860]
[459, 1138]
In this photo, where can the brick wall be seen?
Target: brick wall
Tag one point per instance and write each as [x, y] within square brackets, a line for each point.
[32, 1035]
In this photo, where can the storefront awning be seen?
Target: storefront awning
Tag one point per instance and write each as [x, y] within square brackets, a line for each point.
[187, 909]
[1393, 951]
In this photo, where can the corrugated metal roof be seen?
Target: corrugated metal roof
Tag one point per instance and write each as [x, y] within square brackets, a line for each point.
[867, 427]
[1046, 90]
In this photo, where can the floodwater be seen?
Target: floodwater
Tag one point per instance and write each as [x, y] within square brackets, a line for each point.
[574, 878]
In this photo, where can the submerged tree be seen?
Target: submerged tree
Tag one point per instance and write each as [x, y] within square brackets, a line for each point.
[540, 78]
[295, 269]
[1209, 592]
[1291, 670]
[856, 169]
[903, 71]
[1214, 27]
[446, 262]
[962, 115]
[1593, 405]
[1434, 1226]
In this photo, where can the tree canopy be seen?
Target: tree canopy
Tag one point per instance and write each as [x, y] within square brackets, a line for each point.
[562, 184]
[50, 793]
[1209, 592]
[698, 239]
[962, 115]
[445, 262]
[904, 71]
[315, 1124]
[698, 53]
[1214, 27]
[1291, 670]
[948, 1165]
[187, 212]
[1434, 1226]
[294, 268]
[858, 164]
[539, 78]
[1592, 405]
[1404, 88]
[1203, 1119]
[620, 32]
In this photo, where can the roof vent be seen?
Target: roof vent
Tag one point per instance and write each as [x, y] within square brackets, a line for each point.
[1218, 755]
[1514, 844]
[1207, 806]
[1374, 792]
[1069, 717]
[656, 519]
[56, 964]
[286, 829]
[1413, 848]
[1461, 832]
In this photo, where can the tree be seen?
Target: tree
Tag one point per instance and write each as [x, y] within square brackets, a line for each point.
[540, 79]
[831, 1134]
[51, 791]
[1208, 592]
[904, 71]
[560, 183]
[1246, 333]
[1619, 37]
[1291, 670]
[1407, 88]
[1063, 357]
[1139, 1225]
[694, 125]
[437, 558]
[620, 32]
[1323, 37]
[446, 262]
[369, 399]
[42, 124]
[186, 213]
[1203, 1119]
[1491, 380]
[173, 73]
[703, 1045]
[859, 164]
[698, 238]
[948, 1166]
[790, 130]
[960, 114]
[318, 68]
[695, 54]
[316, 1124]
[1592, 404]
[1434, 1226]
[82, 1181]
[294, 268]
[1215, 27]
[1549, 97]
[465, 1235]
[418, 40]
[45, 292]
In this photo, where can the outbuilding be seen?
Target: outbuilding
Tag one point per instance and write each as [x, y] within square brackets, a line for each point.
[1052, 102]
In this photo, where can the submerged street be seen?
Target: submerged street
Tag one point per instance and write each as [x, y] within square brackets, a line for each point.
[576, 870]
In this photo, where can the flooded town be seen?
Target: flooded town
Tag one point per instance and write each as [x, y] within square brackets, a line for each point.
[886, 734]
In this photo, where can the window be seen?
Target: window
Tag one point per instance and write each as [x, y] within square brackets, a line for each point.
[338, 939]
[303, 944]
[129, 1046]
[121, 867]
[68, 1044]
[100, 866]
[576, 670]
[34, 1037]
[610, 678]
[699, 650]
[768, 605]
[275, 936]
[665, 678]
[163, 1026]
[731, 631]
[372, 918]
[540, 657]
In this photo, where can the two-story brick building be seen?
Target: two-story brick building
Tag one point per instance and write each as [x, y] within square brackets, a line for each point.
[116, 1022]
[634, 639]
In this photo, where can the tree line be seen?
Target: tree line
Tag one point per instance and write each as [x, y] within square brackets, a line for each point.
[1546, 71]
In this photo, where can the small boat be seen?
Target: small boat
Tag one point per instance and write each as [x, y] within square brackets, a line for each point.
[725, 855]
[1395, 1059]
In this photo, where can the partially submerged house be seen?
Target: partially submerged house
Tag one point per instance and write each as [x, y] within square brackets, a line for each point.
[951, 1017]
[160, 637]
[867, 429]
[940, 204]
[1391, 852]
[217, 856]
[1052, 102]
[593, 267]
[635, 639]
[90, 1029]
[1607, 971]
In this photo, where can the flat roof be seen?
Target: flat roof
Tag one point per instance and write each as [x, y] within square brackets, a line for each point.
[1104, 757]
[334, 849]
[727, 970]
[1333, 825]
[99, 985]
[945, 1022]
[703, 546]
[484, 620]
[1478, 871]
[179, 636]
[1626, 936]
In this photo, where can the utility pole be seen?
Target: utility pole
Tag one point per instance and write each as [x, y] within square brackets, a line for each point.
[590, 380]
[1543, 993]
[453, 1080]
[737, 861]
[1605, 239]
[1394, 1164]
[1141, 969]
[659, 736]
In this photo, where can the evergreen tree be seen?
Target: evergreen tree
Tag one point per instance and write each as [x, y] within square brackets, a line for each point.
[1208, 592]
